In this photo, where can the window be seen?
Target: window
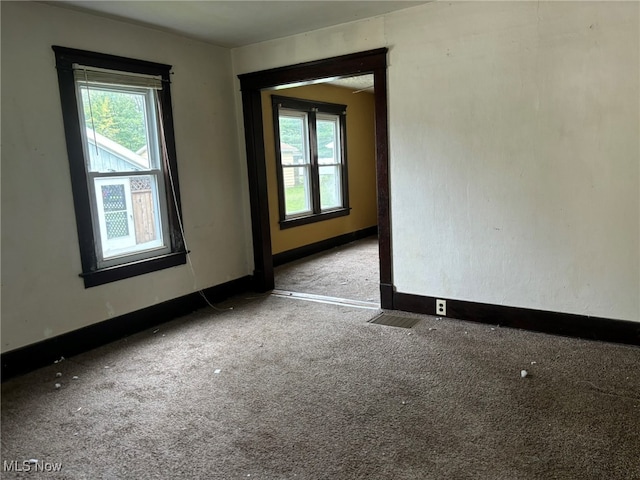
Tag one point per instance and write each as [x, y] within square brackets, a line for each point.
[311, 157]
[119, 132]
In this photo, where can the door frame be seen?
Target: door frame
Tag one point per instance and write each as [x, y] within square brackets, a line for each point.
[368, 62]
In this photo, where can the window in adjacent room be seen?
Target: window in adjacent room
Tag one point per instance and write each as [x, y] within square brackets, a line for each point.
[119, 131]
[311, 157]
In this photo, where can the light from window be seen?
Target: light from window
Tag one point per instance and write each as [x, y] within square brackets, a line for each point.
[329, 161]
[120, 139]
[296, 164]
[311, 159]
[119, 132]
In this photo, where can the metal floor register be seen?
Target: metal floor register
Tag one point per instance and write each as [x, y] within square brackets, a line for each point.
[394, 320]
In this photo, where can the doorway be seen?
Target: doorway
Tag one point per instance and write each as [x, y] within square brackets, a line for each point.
[348, 274]
[370, 62]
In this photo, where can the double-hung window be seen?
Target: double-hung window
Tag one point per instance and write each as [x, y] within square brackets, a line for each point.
[119, 132]
[310, 140]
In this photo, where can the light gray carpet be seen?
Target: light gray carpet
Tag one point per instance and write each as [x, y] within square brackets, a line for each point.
[349, 271]
[314, 391]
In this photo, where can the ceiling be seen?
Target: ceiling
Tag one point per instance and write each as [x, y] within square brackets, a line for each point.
[236, 23]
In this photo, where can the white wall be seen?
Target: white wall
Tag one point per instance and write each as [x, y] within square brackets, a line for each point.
[514, 149]
[42, 294]
[340, 40]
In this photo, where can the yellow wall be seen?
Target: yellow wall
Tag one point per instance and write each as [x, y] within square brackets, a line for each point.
[360, 164]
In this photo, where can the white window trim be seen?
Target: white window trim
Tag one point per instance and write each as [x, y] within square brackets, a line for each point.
[107, 256]
[287, 106]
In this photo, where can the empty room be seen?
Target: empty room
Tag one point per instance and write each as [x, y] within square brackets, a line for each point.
[320, 239]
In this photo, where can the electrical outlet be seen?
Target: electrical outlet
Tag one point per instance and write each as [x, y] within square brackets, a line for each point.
[441, 307]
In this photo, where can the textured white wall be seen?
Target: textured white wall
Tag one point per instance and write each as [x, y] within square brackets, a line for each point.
[514, 149]
[514, 140]
[41, 291]
[328, 42]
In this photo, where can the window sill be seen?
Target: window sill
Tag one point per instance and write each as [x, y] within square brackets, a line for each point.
[133, 269]
[316, 217]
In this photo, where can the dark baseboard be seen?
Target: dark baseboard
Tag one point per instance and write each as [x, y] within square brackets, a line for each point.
[306, 250]
[28, 358]
[571, 325]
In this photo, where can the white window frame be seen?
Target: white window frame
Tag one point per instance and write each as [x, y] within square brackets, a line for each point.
[106, 252]
[306, 165]
[337, 156]
[311, 111]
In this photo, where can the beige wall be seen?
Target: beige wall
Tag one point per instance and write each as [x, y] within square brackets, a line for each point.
[514, 153]
[360, 161]
[42, 294]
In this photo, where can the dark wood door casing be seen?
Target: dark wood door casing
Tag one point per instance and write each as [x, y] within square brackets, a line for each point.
[369, 62]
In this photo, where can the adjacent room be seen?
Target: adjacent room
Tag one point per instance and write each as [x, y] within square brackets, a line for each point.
[387, 239]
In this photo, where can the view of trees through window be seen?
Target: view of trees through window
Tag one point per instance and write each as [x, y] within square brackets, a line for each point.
[119, 116]
[127, 206]
[290, 134]
[311, 171]
[121, 159]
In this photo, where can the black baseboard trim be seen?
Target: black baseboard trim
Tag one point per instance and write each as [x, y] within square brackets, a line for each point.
[317, 247]
[28, 358]
[567, 324]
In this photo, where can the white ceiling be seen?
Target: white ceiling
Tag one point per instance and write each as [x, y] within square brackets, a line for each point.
[361, 83]
[237, 23]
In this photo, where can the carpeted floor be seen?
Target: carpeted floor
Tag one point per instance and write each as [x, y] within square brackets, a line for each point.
[278, 388]
[349, 271]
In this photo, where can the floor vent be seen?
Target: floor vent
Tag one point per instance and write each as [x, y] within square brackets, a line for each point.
[394, 320]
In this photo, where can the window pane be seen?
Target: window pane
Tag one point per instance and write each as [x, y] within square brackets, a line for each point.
[328, 141]
[115, 210]
[293, 139]
[116, 129]
[296, 190]
[128, 214]
[117, 225]
[330, 187]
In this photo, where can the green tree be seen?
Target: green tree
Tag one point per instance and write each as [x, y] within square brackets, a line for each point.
[326, 136]
[118, 116]
[291, 132]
